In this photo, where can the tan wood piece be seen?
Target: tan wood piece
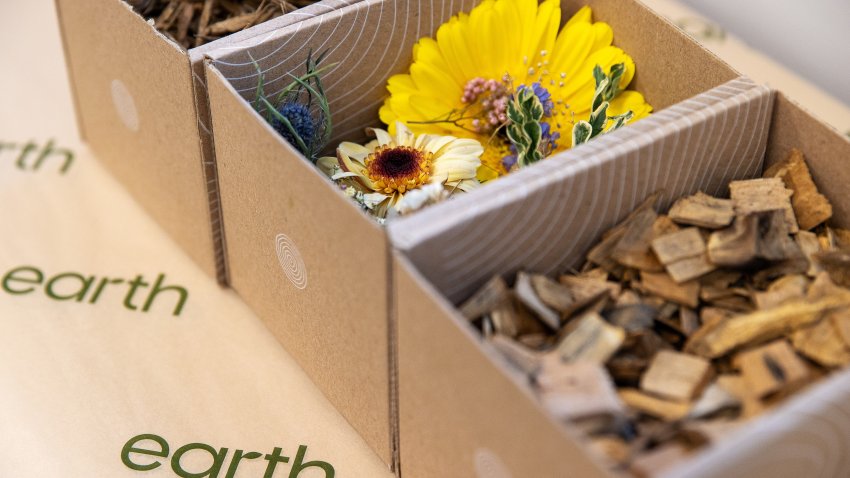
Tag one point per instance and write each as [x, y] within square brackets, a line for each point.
[552, 293]
[714, 399]
[760, 326]
[577, 390]
[810, 206]
[592, 339]
[703, 210]
[763, 195]
[522, 357]
[771, 368]
[525, 293]
[782, 290]
[810, 245]
[662, 285]
[822, 343]
[676, 375]
[494, 293]
[737, 245]
[653, 406]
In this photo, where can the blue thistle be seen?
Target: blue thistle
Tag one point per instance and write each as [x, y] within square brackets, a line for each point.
[301, 120]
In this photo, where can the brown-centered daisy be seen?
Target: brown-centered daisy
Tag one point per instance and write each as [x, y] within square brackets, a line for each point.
[379, 173]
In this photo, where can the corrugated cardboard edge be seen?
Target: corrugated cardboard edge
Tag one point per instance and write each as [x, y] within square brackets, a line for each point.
[69, 70]
[392, 360]
[427, 236]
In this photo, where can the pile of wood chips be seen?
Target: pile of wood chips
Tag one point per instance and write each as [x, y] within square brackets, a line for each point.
[682, 326]
[192, 23]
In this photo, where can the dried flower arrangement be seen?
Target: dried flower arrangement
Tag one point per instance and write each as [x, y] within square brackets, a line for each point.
[682, 326]
[495, 90]
[192, 23]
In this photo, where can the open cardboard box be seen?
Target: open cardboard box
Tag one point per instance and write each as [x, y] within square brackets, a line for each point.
[302, 255]
[142, 107]
[465, 410]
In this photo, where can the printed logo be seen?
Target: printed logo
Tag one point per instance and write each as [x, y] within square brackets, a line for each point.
[291, 261]
[489, 465]
[125, 106]
[32, 156]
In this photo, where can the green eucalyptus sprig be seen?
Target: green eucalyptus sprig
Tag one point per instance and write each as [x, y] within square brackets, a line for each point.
[524, 131]
[607, 88]
[305, 96]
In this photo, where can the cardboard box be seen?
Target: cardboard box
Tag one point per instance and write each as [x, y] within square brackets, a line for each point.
[465, 412]
[142, 108]
[302, 255]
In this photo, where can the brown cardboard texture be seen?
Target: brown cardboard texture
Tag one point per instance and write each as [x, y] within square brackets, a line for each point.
[807, 436]
[144, 113]
[546, 226]
[270, 191]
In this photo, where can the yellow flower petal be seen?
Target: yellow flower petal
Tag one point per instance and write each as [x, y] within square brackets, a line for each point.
[583, 15]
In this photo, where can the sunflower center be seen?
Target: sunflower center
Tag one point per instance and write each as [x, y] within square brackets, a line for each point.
[399, 168]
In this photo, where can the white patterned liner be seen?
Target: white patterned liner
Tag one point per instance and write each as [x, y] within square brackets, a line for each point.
[809, 436]
[546, 217]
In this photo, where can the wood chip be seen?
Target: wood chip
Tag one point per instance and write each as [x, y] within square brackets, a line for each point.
[771, 368]
[714, 399]
[679, 245]
[784, 289]
[526, 294]
[525, 359]
[494, 293]
[760, 326]
[822, 343]
[654, 406]
[763, 195]
[841, 237]
[683, 253]
[737, 245]
[663, 226]
[841, 322]
[810, 206]
[633, 318]
[810, 245]
[837, 264]
[662, 285]
[703, 210]
[592, 340]
[602, 253]
[572, 391]
[552, 293]
[714, 430]
[689, 321]
[690, 268]
[775, 244]
[676, 376]
[633, 249]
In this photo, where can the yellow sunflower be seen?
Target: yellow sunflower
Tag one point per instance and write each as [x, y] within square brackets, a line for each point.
[460, 81]
[380, 173]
